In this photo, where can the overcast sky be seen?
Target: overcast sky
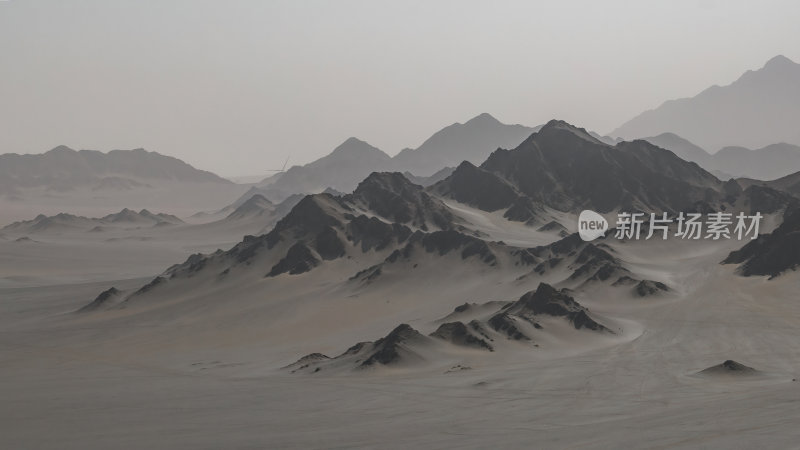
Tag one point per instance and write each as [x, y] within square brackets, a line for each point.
[236, 86]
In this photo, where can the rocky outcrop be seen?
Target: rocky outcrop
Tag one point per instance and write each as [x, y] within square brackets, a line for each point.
[458, 334]
[299, 259]
[729, 367]
[771, 254]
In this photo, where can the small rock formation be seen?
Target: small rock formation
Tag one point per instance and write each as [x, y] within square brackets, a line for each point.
[729, 367]
[646, 288]
[101, 300]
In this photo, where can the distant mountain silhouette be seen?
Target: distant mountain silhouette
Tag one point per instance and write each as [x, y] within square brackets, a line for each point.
[256, 206]
[342, 169]
[63, 169]
[354, 160]
[761, 108]
[768, 163]
[472, 141]
[64, 222]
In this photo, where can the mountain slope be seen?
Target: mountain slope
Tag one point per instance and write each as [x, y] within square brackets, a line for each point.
[256, 206]
[771, 254]
[683, 148]
[789, 183]
[761, 108]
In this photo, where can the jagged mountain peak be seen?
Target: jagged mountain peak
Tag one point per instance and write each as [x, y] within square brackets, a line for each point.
[548, 300]
[392, 196]
[392, 181]
[556, 126]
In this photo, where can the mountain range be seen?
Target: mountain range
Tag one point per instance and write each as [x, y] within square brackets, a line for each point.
[354, 159]
[389, 234]
[760, 108]
[714, 129]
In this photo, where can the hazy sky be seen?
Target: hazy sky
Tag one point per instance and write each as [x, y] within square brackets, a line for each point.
[236, 86]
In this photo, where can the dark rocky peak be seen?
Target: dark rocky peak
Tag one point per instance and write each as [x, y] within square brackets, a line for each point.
[547, 300]
[309, 221]
[310, 216]
[560, 129]
[389, 349]
[589, 261]
[561, 168]
[390, 195]
[477, 187]
[393, 182]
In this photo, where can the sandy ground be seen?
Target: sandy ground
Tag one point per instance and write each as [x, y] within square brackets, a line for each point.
[201, 370]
